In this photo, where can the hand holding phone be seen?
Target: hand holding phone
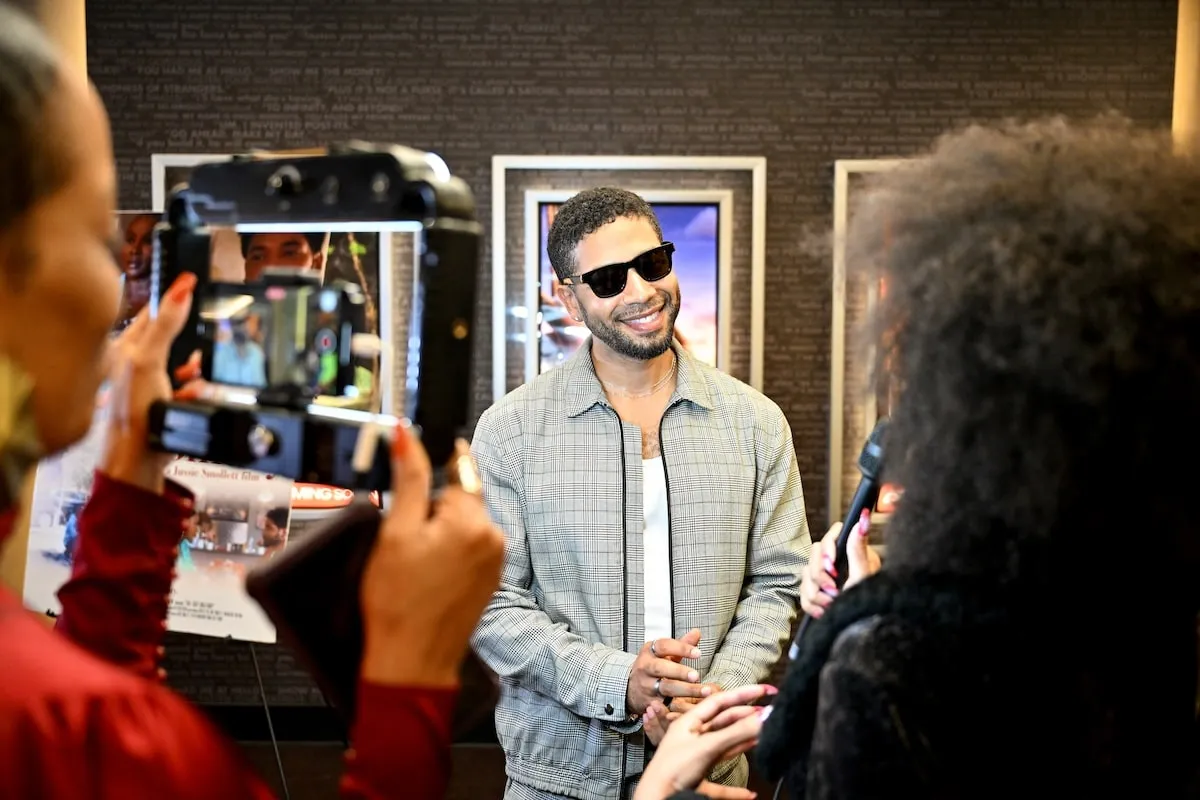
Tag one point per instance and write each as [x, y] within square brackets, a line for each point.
[435, 565]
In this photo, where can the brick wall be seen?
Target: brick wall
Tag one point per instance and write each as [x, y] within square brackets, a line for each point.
[803, 82]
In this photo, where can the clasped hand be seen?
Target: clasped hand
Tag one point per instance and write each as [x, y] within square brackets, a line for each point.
[659, 675]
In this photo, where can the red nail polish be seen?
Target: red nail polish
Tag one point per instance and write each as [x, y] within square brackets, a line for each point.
[187, 372]
[181, 288]
[399, 442]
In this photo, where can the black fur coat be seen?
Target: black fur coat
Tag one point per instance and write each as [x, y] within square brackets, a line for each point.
[929, 687]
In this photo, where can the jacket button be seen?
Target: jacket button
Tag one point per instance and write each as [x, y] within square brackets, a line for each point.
[608, 709]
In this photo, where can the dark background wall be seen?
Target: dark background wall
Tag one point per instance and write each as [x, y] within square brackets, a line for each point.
[803, 82]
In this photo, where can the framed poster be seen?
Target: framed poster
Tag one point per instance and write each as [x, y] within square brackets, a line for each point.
[854, 404]
[727, 194]
[698, 222]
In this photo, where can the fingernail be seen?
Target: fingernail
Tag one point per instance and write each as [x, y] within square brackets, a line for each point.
[693, 677]
[463, 471]
[695, 652]
[399, 441]
[181, 288]
[864, 523]
[769, 689]
[765, 712]
[706, 691]
[187, 372]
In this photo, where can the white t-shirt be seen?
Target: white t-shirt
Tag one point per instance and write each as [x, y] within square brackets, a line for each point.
[656, 550]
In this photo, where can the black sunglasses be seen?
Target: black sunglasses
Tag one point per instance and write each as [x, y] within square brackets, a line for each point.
[609, 281]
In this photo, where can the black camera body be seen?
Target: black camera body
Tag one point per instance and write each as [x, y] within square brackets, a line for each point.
[280, 426]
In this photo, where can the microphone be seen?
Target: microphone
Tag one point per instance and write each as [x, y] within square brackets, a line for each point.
[870, 464]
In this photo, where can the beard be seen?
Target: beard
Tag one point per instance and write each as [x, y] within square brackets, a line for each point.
[626, 342]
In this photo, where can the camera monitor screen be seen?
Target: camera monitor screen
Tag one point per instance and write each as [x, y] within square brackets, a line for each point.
[284, 335]
[255, 355]
[279, 314]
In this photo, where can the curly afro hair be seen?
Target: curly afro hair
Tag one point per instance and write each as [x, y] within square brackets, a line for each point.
[1041, 330]
[584, 214]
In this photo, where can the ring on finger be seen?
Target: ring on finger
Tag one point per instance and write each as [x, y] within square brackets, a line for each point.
[653, 651]
[658, 687]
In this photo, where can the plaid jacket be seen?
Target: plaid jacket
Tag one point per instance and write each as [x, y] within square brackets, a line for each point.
[563, 477]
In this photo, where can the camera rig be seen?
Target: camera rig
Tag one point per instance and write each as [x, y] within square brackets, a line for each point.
[287, 433]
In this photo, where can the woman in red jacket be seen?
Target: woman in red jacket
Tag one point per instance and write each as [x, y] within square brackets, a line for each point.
[82, 712]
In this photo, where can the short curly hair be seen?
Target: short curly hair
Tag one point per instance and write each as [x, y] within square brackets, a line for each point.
[1041, 327]
[587, 212]
[278, 516]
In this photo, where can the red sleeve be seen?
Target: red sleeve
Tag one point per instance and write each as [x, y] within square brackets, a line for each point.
[115, 603]
[401, 741]
[115, 606]
[135, 745]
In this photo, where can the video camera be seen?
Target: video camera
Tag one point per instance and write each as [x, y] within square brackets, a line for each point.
[299, 411]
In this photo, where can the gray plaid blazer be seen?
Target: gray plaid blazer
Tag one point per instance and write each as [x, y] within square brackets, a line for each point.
[562, 476]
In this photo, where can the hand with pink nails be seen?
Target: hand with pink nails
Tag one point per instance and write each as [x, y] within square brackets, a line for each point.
[818, 588]
[719, 728]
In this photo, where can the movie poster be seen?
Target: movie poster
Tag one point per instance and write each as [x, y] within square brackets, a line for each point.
[240, 520]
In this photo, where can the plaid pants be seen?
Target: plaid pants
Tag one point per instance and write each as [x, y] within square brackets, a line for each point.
[519, 791]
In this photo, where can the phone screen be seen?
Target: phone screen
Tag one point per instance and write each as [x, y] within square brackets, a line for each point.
[275, 335]
[276, 316]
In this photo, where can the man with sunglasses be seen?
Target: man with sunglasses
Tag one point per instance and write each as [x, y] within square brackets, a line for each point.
[654, 517]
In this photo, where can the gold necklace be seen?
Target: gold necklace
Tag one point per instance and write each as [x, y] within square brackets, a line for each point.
[653, 390]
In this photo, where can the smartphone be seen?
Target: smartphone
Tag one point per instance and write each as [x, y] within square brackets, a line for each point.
[310, 592]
